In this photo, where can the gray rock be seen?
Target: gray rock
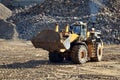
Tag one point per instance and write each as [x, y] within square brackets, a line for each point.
[4, 12]
[7, 30]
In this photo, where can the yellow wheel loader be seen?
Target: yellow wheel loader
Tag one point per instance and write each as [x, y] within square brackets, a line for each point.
[74, 43]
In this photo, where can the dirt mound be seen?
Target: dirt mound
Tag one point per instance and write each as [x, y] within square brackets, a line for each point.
[4, 12]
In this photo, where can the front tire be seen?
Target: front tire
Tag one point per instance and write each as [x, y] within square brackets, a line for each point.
[79, 54]
[55, 57]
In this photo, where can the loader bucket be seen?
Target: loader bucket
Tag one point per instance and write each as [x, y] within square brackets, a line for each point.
[48, 40]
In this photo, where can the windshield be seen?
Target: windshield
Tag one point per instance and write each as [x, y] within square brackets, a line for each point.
[77, 29]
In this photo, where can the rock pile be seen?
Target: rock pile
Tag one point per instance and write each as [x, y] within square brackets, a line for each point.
[7, 29]
[109, 21]
[64, 8]
[12, 4]
[31, 20]
[4, 12]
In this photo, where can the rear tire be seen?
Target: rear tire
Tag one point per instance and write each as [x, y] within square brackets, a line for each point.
[55, 57]
[98, 53]
[79, 54]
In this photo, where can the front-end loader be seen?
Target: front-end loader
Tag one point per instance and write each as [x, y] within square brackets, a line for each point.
[74, 43]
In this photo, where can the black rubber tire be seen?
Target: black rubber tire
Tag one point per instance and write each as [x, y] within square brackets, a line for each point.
[68, 58]
[55, 57]
[79, 54]
[98, 53]
[67, 55]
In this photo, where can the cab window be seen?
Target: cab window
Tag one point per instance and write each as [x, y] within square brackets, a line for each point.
[77, 29]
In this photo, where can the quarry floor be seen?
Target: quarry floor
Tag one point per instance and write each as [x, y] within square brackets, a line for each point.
[19, 60]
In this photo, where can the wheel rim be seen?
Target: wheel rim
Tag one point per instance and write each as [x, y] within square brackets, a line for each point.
[99, 52]
[82, 54]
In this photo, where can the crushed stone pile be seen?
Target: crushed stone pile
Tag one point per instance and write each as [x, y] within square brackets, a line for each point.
[64, 8]
[7, 29]
[4, 12]
[110, 21]
[12, 4]
[31, 20]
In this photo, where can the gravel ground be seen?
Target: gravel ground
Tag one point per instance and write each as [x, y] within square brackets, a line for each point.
[19, 60]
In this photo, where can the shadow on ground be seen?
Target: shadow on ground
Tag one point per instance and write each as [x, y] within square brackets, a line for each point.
[31, 64]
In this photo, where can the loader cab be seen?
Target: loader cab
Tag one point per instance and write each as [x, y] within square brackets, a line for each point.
[79, 28]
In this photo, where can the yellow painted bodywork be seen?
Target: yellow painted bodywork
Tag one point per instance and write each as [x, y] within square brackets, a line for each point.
[73, 37]
[88, 34]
